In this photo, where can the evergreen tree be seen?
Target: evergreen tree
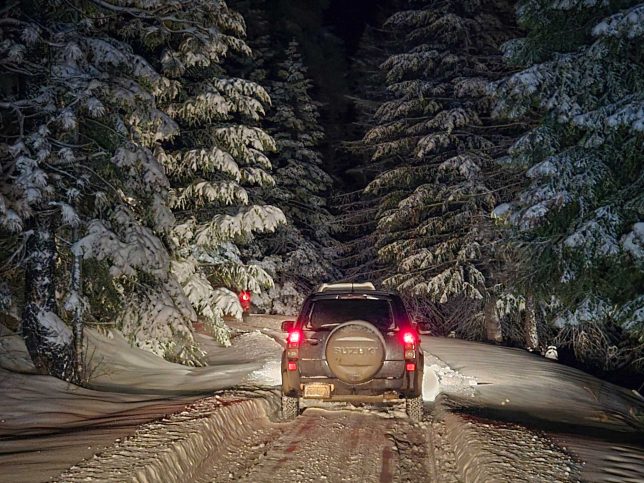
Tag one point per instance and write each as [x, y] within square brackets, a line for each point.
[356, 218]
[436, 144]
[299, 253]
[141, 164]
[579, 220]
[77, 107]
[218, 157]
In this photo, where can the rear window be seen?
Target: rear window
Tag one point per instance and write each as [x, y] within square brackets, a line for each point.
[327, 314]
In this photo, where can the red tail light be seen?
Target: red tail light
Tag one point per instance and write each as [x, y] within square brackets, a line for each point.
[244, 300]
[294, 337]
[293, 340]
[409, 338]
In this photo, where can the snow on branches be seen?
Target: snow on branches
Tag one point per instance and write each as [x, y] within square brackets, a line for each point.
[436, 139]
[579, 212]
[127, 149]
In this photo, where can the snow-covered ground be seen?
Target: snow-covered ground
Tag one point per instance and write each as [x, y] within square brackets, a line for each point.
[127, 388]
[493, 414]
[601, 424]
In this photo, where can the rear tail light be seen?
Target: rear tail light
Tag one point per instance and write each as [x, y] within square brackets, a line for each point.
[409, 338]
[294, 338]
[410, 341]
[244, 300]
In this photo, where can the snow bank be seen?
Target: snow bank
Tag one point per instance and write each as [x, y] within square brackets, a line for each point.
[516, 382]
[115, 366]
[591, 420]
[174, 449]
[497, 451]
[46, 425]
[35, 405]
[129, 387]
[13, 353]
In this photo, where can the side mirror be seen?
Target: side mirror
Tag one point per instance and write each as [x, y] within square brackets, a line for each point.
[288, 325]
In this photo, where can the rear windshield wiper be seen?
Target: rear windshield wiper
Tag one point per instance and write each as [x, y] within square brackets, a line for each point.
[323, 326]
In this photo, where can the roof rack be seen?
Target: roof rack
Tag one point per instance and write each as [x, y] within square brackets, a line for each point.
[346, 287]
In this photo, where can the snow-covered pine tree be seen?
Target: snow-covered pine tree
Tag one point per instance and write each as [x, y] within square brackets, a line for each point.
[77, 109]
[579, 221]
[299, 254]
[435, 139]
[218, 154]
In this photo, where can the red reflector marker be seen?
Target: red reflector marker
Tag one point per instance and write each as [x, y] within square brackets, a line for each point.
[292, 366]
[411, 366]
[294, 337]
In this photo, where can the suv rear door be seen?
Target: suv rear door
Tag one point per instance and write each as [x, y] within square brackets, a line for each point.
[320, 315]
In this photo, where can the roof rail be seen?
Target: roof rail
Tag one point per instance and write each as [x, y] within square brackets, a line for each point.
[346, 286]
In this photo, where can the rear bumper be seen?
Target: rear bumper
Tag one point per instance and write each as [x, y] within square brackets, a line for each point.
[385, 383]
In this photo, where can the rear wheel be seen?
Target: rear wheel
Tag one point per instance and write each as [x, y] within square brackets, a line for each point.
[414, 408]
[290, 407]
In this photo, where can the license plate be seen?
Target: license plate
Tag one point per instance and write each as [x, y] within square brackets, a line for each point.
[322, 391]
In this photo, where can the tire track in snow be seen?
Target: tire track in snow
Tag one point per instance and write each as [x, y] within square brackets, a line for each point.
[225, 439]
[232, 439]
[340, 445]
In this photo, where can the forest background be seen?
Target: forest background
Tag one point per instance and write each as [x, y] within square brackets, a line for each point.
[483, 158]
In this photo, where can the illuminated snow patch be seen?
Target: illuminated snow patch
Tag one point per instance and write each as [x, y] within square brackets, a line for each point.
[269, 375]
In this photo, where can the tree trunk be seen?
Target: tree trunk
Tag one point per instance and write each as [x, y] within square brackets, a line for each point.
[492, 322]
[77, 325]
[530, 324]
[47, 338]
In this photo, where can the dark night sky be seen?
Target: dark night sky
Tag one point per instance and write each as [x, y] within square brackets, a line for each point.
[329, 32]
[347, 19]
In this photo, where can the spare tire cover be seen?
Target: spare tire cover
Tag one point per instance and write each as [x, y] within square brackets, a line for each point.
[355, 351]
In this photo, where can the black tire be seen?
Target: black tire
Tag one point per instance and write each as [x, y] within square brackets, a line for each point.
[290, 407]
[414, 408]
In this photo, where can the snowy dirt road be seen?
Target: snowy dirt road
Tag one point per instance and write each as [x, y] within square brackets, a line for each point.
[230, 438]
[492, 414]
[340, 445]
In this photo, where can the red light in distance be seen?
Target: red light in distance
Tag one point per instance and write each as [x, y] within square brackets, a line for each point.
[244, 296]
